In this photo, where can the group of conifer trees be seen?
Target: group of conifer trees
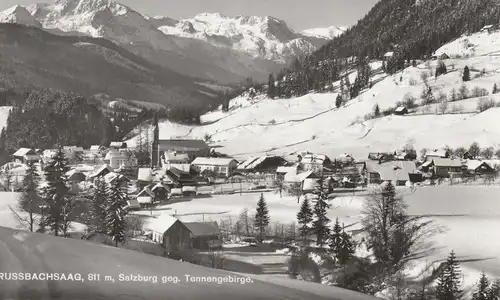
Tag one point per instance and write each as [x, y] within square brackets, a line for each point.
[53, 204]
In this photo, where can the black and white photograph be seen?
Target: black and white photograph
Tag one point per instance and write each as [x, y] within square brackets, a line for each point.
[250, 149]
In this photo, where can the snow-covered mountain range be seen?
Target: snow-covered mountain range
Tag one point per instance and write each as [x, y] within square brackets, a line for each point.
[209, 45]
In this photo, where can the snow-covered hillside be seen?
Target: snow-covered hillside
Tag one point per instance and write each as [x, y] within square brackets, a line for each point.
[4, 114]
[254, 46]
[312, 122]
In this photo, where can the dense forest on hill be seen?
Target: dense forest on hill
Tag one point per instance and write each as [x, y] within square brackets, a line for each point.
[45, 118]
[412, 29]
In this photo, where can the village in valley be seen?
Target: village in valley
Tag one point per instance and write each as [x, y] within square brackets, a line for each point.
[167, 198]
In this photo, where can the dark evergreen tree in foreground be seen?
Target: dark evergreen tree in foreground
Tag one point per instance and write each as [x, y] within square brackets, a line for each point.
[449, 282]
[29, 200]
[55, 193]
[320, 224]
[98, 206]
[304, 218]
[482, 289]
[336, 238]
[261, 220]
[347, 248]
[338, 101]
[494, 291]
[495, 89]
[441, 68]
[116, 210]
[376, 110]
[466, 74]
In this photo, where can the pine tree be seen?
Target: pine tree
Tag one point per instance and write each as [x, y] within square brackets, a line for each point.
[466, 75]
[336, 239]
[483, 288]
[261, 220]
[338, 101]
[448, 285]
[495, 89]
[98, 207]
[347, 248]
[376, 110]
[54, 193]
[304, 218]
[116, 211]
[271, 90]
[29, 198]
[494, 291]
[321, 220]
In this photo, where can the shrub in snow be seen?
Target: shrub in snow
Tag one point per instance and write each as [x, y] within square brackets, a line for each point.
[484, 104]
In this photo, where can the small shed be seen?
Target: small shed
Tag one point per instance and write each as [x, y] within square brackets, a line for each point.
[204, 235]
[401, 110]
[169, 232]
[488, 28]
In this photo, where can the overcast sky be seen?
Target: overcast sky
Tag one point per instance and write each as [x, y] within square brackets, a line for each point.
[299, 14]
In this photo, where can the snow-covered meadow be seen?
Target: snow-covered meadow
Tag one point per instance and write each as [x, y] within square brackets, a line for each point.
[469, 217]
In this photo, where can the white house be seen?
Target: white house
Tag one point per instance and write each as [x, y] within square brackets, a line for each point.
[222, 166]
[118, 159]
[26, 155]
[176, 160]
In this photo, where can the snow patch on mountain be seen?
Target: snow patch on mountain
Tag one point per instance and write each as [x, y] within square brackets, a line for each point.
[20, 15]
[327, 33]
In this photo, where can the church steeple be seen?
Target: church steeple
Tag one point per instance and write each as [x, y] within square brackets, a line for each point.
[155, 156]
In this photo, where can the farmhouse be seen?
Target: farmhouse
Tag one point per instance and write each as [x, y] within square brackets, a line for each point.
[388, 55]
[478, 167]
[307, 180]
[204, 235]
[315, 162]
[193, 148]
[442, 167]
[281, 171]
[399, 172]
[437, 153]
[401, 110]
[26, 155]
[169, 232]
[221, 166]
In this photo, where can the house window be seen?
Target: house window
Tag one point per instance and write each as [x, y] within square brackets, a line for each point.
[223, 169]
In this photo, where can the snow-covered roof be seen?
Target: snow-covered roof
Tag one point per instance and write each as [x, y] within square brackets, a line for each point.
[95, 147]
[436, 153]
[110, 177]
[175, 156]
[294, 177]
[397, 170]
[203, 228]
[161, 223]
[447, 162]
[252, 162]
[400, 109]
[487, 27]
[23, 151]
[284, 170]
[99, 170]
[145, 174]
[314, 158]
[157, 186]
[213, 161]
[115, 154]
[145, 192]
[73, 148]
[473, 164]
[389, 54]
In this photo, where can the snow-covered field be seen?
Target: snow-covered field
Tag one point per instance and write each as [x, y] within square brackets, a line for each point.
[469, 217]
[311, 122]
[8, 219]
